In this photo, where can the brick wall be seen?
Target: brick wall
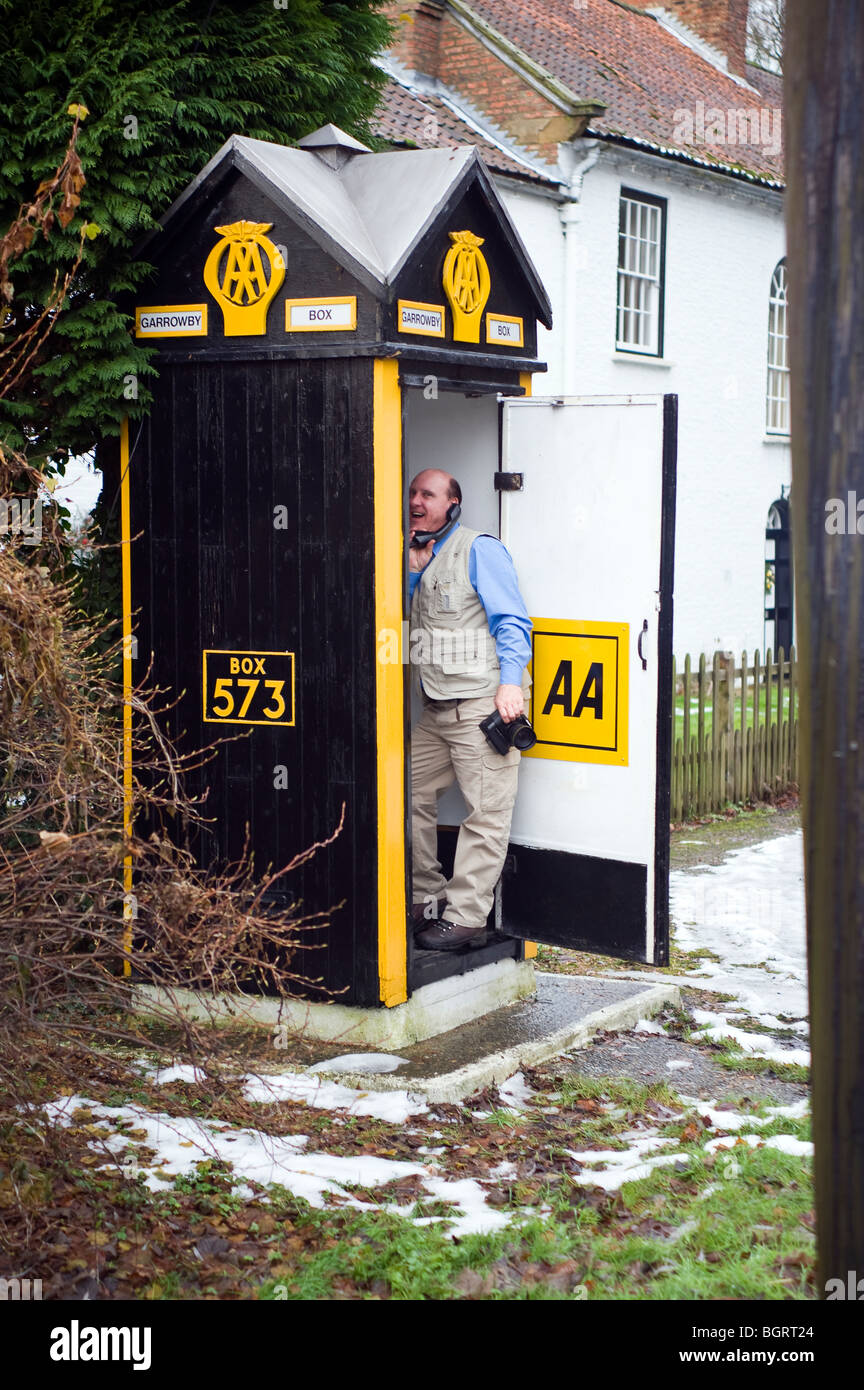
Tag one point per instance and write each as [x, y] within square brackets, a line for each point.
[722, 23]
[431, 41]
[417, 34]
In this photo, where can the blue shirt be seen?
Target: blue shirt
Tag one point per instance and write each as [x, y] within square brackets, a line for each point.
[493, 577]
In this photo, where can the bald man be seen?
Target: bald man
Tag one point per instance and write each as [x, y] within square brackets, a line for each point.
[470, 644]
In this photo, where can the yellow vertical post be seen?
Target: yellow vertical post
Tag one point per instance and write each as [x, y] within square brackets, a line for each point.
[526, 381]
[387, 455]
[126, 552]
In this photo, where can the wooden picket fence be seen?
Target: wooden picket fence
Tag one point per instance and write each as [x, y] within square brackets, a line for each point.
[735, 734]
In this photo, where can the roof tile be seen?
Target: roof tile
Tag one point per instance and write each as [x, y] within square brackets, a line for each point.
[650, 80]
[407, 118]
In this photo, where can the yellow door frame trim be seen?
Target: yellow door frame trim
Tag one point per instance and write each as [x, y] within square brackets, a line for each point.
[389, 682]
[126, 590]
[529, 950]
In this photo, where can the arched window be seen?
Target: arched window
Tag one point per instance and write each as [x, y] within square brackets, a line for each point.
[777, 399]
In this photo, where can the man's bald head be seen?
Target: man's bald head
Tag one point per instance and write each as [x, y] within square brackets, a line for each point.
[430, 496]
[439, 476]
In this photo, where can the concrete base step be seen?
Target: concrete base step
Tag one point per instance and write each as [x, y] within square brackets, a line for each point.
[565, 1013]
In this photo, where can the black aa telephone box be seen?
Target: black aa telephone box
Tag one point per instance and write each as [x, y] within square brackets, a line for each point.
[329, 322]
[305, 301]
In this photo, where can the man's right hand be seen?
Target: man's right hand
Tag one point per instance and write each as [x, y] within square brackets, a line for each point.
[419, 555]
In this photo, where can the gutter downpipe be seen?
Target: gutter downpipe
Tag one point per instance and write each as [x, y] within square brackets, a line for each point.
[570, 213]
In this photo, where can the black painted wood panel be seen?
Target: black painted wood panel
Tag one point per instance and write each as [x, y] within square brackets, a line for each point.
[223, 447]
[581, 901]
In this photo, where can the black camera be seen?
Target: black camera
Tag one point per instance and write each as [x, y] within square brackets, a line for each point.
[517, 734]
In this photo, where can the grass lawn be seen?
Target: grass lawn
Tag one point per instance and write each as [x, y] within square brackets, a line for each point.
[749, 710]
[726, 1224]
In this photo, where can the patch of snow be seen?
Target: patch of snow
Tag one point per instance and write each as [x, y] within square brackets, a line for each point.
[618, 1176]
[750, 908]
[466, 1193]
[373, 1062]
[393, 1106]
[798, 1110]
[516, 1091]
[787, 1143]
[650, 1025]
[181, 1142]
[727, 1119]
[639, 1145]
[733, 1120]
[178, 1073]
[757, 1044]
[678, 1064]
[797, 1025]
[623, 1165]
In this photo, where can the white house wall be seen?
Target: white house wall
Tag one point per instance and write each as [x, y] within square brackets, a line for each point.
[723, 241]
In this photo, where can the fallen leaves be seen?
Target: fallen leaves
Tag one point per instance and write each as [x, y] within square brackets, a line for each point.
[517, 1271]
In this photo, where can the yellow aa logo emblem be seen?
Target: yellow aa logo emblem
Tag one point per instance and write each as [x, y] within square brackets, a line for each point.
[466, 284]
[241, 279]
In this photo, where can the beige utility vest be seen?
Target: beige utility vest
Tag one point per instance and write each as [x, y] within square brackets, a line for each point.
[451, 648]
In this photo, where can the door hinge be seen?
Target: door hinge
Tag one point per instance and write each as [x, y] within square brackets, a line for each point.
[509, 482]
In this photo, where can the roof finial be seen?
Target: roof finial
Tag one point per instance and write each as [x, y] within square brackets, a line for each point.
[332, 145]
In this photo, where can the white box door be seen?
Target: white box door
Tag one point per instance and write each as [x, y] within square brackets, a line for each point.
[591, 532]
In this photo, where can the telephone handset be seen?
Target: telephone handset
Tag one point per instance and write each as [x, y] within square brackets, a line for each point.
[421, 538]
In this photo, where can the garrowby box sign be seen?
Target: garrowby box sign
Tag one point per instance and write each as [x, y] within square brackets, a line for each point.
[172, 321]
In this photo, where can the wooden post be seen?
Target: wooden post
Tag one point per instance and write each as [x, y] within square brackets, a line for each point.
[740, 779]
[724, 723]
[770, 672]
[755, 768]
[687, 785]
[714, 789]
[700, 727]
[782, 768]
[824, 119]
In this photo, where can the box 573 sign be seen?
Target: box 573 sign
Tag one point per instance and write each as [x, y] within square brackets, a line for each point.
[248, 687]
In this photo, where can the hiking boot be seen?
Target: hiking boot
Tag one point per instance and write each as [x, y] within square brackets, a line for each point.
[449, 936]
[418, 914]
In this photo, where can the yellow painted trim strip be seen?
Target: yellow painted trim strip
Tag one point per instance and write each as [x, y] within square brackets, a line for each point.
[387, 452]
[126, 590]
[527, 381]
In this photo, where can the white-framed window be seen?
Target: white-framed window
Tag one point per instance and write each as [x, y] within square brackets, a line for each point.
[777, 393]
[641, 273]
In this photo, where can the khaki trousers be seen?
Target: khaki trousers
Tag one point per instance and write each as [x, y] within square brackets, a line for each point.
[447, 745]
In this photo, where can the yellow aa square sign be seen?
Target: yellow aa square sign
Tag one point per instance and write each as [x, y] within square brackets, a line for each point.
[579, 693]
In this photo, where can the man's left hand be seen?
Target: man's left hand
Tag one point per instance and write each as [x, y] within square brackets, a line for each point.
[509, 702]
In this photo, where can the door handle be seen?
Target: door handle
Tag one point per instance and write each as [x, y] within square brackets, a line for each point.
[639, 644]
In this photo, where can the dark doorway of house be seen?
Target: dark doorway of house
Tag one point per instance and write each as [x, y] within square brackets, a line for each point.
[779, 605]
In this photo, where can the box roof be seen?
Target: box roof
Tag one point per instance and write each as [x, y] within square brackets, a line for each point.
[368, 211]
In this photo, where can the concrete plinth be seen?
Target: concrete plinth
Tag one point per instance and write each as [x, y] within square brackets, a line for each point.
[565, 1013]
[433, 1009]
